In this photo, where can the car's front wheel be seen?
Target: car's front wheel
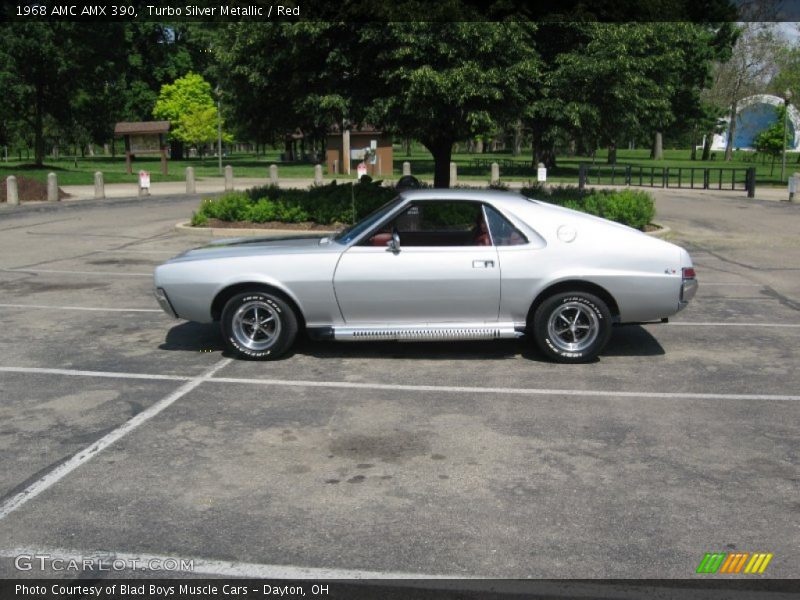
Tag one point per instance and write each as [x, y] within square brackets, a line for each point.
[572, 327]
[258, 325]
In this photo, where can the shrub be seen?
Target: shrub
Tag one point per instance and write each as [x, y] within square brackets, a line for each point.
[199, 219]
[342, 203]
[232, 206]
[330, 203]
[630, 207]
[634, 208]
[326, 204]
[262, 211]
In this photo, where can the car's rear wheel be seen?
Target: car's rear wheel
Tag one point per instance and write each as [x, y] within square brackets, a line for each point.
[258, 325]
[572, 327]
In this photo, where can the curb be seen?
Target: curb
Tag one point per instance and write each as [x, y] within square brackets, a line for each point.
[185, 228]
[659, 232]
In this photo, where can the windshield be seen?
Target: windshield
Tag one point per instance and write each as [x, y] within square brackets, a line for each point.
[348, 235]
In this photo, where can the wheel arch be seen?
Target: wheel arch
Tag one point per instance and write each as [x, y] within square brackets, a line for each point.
[575, 285]
[228, 292]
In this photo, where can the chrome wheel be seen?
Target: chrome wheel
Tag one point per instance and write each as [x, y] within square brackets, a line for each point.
[573, 327]
[256, 325]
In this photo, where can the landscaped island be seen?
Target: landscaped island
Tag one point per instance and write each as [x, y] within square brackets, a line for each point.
[334, 205]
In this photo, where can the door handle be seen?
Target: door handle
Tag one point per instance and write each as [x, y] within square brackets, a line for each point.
[482, 264]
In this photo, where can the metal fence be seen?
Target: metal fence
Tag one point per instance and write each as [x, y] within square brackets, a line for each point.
[705, 178]
[700, 178]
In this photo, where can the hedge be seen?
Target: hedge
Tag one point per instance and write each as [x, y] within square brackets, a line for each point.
[334, 203]
[328, 204]
[634, 208]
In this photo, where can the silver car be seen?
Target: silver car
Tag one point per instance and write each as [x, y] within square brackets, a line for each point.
[435, 265]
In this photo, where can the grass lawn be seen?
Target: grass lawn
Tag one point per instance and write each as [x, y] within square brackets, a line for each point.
[477, 167]
[81, 171]
[472, 167]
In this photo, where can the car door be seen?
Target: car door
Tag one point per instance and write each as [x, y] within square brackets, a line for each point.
[445, 271]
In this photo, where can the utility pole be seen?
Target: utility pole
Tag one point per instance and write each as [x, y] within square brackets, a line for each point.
[218, 91]
[786, 97]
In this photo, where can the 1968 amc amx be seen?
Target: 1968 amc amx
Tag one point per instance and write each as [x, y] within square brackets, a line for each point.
[435, 265]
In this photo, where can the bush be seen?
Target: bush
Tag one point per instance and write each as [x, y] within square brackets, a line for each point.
[330, 203]
[324, 204]
[342, 203]
[630, 207]
[232, 206]
[634, 208]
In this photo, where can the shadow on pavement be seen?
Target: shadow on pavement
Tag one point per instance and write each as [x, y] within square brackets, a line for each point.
[631, 340]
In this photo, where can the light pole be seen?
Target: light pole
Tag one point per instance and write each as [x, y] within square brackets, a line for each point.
[787, 95]
[218, 92]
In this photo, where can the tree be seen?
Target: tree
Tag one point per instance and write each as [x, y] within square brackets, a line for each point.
[774, 139]
[443, 82]
[750, 68]
[787, 76]
[189, 106]
[199, 127]
[435, 82]
[46, 66]
[694, 47]
[616, 81]
[286, 76]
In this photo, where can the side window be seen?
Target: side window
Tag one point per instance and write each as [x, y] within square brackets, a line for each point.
[503, 232]
[437, 223]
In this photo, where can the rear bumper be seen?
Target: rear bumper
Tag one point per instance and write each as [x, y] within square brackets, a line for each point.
[688, 290]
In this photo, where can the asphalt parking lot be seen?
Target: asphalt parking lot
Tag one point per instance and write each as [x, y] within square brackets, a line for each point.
[125, 432]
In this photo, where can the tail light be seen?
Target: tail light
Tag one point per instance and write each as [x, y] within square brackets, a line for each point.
[688, 273]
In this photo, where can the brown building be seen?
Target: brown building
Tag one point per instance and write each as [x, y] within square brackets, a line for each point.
[367, 144]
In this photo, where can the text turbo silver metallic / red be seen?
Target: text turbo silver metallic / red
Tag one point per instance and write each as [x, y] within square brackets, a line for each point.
[435, 265]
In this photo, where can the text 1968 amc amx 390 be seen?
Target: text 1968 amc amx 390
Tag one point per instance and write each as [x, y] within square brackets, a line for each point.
[435, 265]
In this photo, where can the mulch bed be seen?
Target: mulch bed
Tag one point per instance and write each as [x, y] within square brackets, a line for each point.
[30, 190]
[305, 226]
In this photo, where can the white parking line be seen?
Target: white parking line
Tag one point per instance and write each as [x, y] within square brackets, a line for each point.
[89, 308]
[129, 250]
[202, 566]
[87, 453]
[728, 324]
[731, 283]
[59, 272]
[107, 374]
[500, 390]
[208, 378]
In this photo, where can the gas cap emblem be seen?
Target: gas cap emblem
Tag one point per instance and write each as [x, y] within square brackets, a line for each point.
[566, 233]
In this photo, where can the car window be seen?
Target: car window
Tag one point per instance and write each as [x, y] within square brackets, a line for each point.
[503, 232]
[436, 223]
[348, 235]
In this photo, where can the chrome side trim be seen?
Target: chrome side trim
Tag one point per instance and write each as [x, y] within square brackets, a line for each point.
[164, 303]
[433, 332]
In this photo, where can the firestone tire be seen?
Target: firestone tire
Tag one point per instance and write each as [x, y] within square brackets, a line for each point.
[572, 327]
[258, 325]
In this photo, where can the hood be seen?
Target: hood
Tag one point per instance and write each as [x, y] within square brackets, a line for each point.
[257, 246]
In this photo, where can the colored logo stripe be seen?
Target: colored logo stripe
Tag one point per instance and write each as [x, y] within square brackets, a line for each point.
[733, 562]
[711, 562]
[758, 563]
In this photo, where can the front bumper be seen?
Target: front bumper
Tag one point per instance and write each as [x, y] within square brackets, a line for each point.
[164, 303]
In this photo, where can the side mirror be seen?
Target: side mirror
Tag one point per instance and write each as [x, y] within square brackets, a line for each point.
[394, 244]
